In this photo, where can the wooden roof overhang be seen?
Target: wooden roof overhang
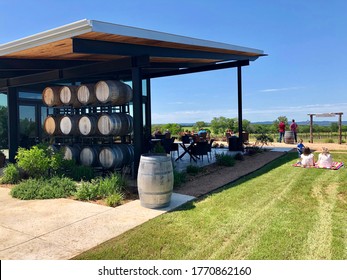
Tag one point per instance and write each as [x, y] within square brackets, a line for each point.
[88, 50]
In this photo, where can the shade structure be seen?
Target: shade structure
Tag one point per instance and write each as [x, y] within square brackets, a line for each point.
[87, 51]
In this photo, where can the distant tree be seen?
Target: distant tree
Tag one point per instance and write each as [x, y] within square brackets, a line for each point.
[334, 127]
[3, 127]
[221, 124]
[199, 124]
[246, 125]
[174, 128]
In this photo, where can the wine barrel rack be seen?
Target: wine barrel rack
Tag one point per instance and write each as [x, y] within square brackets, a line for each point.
[77, 113]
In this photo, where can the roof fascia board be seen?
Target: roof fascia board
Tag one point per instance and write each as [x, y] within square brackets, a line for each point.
[104, 27]
[52, 35]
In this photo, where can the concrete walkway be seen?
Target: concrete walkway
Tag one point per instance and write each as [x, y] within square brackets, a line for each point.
[59, 229]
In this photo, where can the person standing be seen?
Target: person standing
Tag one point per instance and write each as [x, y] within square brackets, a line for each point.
[281, 130]
[294, 129]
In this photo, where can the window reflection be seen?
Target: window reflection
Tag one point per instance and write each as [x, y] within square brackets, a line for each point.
[27, 126]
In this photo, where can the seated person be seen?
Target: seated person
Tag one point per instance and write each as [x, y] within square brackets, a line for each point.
[307, 158]
[324, 159]
[300, 147]
[202, 133]
[156, 133]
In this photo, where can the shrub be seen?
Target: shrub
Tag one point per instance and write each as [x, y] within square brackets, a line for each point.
[179, 178]
[329, 140]
[254, 150]
[39, 188]
[114, 199]
[239, 156]
[39, 161]
[78, 172]
[11, 175]
[225, 160]
[191, 169]
[101, 187]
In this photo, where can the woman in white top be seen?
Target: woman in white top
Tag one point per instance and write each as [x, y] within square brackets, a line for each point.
[307, 159]
[324, 159]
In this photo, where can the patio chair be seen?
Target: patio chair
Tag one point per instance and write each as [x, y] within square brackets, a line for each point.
[200, 150]
[185, 139]
[209, 147]
[174, 148]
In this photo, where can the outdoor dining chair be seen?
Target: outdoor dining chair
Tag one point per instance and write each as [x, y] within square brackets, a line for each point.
[200, 149]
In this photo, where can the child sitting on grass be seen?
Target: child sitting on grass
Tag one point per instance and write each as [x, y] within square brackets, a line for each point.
[307, 158]
[324, 159]
[300, 147]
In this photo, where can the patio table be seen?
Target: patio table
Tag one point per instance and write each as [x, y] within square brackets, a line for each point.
[187, 150]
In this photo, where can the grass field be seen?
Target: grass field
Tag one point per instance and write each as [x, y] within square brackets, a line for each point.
[279, 212]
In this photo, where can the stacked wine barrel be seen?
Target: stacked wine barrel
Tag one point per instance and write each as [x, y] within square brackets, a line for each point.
[104, 93]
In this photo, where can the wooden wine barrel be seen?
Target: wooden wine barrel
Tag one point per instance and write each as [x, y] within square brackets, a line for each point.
[88, 125]
[68, 96]
[115, 124]
[113, 92]
[69, 124]
[155, 180]
[89, 156]
[51, 96]
[116, 156]
[71, 152]
[86, 94]
[289, 137]
[51, 125]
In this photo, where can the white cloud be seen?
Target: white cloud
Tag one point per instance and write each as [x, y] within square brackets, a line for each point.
[281, 89]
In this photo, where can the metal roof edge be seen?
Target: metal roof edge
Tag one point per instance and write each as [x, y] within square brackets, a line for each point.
[49, 36]
[117, 29]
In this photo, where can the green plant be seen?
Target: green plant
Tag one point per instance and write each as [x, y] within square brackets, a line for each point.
[77, 172]
[239, 156]
[100, 188]
[263, 139]
[114, 199]
[252, 150]
[192, 169]
[225, 159]
[40, 161]
[329, 140]
[158, 149]
[179, 178]
[39, 188]
[11, 175]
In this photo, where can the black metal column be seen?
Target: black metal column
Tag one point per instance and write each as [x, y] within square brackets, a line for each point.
[13, 122]
[137, 117]
[239, 103]
[148, 110]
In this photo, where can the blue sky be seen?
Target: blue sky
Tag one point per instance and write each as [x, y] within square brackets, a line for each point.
[306, 42]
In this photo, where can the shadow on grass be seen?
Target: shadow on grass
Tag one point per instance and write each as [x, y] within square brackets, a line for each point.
[286, 158]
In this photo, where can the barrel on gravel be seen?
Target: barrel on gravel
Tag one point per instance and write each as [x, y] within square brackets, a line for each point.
[51, 96]
[117, 124]
[86, 94]
[289, 137]
[51, 125]
[68, 96]
[87, 125]
[113, 92]
[69, 124]
[116, 156]
[89, 156]
[155, 180]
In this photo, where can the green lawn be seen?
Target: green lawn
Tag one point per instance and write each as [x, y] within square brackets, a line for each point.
[278, 212]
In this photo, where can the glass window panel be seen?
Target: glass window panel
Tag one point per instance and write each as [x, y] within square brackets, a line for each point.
[27, 126]
[30, 95]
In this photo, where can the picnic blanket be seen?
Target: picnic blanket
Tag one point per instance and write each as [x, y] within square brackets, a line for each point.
[336, 165]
